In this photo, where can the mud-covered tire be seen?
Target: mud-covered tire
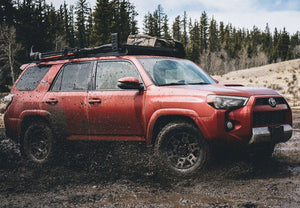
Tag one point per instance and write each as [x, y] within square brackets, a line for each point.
[39, 145]
[180, 150]
[263, 151]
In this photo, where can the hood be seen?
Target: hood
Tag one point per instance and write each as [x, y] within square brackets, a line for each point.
[227, 90]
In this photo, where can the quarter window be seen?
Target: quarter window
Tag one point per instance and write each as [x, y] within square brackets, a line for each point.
[32, 77]
[73, 77]
[108, 74]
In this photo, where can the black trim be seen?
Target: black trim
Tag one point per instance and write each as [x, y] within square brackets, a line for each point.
[113, 49]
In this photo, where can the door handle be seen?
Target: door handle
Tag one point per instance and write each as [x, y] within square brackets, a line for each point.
[94, 101]
[52, 101]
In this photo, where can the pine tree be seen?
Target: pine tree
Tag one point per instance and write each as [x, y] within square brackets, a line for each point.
[122, 19]
[133, 22]
[31, 30]
[221, 33]
[89, 26]
[283, 45]
[176, 28]
[165, 27]
[55, 31]
[82, 12]
[102, 23]
[275, 52]
[153, 23]
[184, 38]
[227, 38]
[267, 42]
[194, 54]
[213, 39]
[203, 32]
[158, 15]
[7, 12]
[295, 40]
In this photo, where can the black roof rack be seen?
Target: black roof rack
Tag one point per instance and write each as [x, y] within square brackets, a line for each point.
[113, 49]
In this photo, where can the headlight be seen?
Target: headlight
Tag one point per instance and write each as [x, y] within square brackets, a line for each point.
[225, 102]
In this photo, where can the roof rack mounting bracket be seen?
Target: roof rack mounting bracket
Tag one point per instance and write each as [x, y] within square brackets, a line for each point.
[114, 42]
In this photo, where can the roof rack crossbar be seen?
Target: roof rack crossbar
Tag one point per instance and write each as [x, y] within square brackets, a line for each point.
[113, 49]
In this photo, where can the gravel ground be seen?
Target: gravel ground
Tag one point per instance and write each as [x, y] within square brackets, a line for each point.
[121, 175]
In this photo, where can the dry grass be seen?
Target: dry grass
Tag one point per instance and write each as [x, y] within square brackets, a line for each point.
[283, 77]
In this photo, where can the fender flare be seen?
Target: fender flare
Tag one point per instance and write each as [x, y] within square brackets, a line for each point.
[41, 113]
[168, 112]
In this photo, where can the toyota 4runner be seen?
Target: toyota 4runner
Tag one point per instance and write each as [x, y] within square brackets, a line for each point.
[139, 93]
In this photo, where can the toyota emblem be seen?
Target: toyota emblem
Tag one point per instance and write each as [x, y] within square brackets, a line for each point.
[272, 102]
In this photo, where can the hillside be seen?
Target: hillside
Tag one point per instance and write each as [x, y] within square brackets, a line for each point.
[283, 77]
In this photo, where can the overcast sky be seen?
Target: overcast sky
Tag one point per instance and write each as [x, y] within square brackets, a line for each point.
[241, 13]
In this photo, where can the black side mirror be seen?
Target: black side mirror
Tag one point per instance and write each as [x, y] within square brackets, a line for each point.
[130, 83]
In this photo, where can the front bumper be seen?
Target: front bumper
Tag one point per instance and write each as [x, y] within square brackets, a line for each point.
[276, 134]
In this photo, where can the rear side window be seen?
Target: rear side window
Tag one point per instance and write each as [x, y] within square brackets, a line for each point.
[32, 77]
[73, 77]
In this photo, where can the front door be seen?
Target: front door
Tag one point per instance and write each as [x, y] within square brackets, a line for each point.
[111, 110]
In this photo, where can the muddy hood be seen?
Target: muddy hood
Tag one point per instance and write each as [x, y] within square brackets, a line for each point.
[229, 90]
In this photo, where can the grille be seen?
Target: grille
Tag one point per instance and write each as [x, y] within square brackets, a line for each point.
[265, 101]
[269, 118]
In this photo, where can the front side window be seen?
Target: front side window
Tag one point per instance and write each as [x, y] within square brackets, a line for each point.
[109, 72]
[174, 72]
[32, 77]
[73, 77]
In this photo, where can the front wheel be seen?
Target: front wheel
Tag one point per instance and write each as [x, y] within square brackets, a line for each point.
[181, 149]
[38, 145]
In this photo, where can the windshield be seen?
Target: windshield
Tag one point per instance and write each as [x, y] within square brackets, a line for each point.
[165, 72]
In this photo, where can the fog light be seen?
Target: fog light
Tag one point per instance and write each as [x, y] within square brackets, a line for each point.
[229, 125]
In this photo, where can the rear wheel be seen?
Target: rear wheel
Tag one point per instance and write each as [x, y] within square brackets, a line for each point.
[38, 144]
[181, 149]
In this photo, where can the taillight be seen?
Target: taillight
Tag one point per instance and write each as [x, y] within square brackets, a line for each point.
[7, 100]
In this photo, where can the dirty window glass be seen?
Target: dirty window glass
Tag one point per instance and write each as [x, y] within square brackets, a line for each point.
[109, 72]
[174, 72]
[73, 77]
[32, 77]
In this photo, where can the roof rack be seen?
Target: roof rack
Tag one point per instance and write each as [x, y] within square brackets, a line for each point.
[114, 49]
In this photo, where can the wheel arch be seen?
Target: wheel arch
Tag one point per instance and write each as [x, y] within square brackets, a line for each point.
[28, 117]
[162, 117]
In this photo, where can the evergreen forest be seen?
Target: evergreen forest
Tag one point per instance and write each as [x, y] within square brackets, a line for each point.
[217, 47]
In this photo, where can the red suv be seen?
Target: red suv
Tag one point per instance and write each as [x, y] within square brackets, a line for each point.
[166, 102]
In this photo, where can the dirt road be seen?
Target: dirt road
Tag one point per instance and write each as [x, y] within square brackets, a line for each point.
[121, 175]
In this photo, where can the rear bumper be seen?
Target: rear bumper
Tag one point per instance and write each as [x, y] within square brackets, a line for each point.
[265, 134]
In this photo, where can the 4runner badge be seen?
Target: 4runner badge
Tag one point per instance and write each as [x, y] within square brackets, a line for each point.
[272, 102]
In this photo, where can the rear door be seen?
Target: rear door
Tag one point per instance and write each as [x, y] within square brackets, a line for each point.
[67, 99]
[111, 110]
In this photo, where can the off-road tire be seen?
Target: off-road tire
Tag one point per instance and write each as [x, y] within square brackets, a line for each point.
[180, 150]
[39, 145]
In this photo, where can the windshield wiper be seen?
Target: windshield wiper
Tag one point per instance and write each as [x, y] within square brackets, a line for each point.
[173, 83]
[198, 83]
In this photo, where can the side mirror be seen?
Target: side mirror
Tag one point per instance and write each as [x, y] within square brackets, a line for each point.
[130, 83]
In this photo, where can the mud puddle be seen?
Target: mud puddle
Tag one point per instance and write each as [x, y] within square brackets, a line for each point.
[121, 175]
